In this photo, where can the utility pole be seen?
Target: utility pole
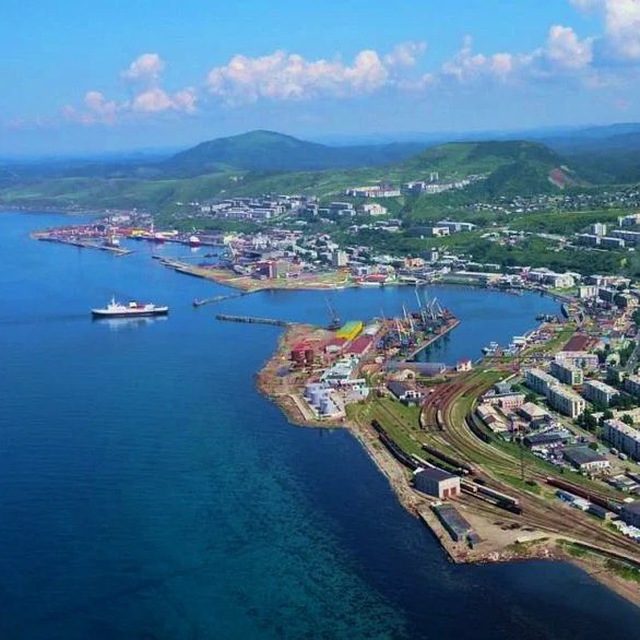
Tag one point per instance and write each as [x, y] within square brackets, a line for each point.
[521, 455]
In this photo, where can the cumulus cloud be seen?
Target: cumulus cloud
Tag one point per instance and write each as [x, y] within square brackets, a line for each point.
[468, 66]
[289, 76]
[563, 54]
[405, 54]
[156, 100]
[145, 71]
[147, 67]
[565, 50]
[621, 38]
[96, 110]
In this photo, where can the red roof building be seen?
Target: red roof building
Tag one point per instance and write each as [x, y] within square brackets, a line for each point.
[359, 346]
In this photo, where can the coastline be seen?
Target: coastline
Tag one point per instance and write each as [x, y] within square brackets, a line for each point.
[497, 545]
[225, 278]
[396, 475]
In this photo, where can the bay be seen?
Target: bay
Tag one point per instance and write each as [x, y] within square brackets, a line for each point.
[148, 491]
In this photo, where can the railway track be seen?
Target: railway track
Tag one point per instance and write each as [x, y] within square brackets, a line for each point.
[536, 512]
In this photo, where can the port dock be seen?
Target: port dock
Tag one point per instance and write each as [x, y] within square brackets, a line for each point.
[84, 244]
[252, 320]
[229, 296]
[440, 332]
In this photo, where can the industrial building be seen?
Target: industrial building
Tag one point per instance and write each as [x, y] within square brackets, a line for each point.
[510, 401]
[567, 373]
[599, 392]
[457, 526]
[585, 459]
[350, 330]
[547, 440]
[359, 347]
[404, 392]
[631, 514]
[623, 437]
[436, 482]
[530, 411]
[490, 417]
[566, 401]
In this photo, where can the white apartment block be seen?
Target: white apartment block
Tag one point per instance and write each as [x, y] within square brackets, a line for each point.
[567, 373]
[597, 391]
[632, 385]
[539, 381]
[566, 401]
[622, 437]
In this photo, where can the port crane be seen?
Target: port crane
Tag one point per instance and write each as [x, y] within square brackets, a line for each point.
[335, 319]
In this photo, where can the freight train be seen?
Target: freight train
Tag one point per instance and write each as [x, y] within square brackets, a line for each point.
[462, 467]
[601, 501]
[477, 430]
[393, 448]
[497, 498]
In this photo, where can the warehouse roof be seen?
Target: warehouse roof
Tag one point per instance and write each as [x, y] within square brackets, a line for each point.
[582, 455]
[435, 474]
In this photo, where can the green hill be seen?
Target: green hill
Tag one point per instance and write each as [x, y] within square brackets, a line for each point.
[271, 151]
[509, 167]
[249, 165]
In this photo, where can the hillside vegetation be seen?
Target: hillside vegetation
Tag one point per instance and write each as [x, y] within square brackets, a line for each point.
[248, 165]
[271, 151]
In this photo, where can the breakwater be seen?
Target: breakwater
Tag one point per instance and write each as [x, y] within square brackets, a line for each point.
[202, 301]
[252, 320]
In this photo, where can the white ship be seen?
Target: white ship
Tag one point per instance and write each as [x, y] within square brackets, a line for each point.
[131, 310]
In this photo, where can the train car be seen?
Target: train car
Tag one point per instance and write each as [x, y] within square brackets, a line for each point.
[476, 430]
[469, 487]
[377, 426]
[601, 501]
[500, 497]
[397, 452]
[402, 457]
[495, 498]
[509, 506]
[454, 462]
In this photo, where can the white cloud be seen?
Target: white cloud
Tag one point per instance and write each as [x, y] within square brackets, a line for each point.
[562, 55]
[565, 50]
[156, 100]
[150, 98]
[621, 38]
[147, 67]
[405, 54]
[467, 66]
[96, 110]
[284, 76]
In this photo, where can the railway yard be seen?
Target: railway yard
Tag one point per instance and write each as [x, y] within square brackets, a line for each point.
[508, 497]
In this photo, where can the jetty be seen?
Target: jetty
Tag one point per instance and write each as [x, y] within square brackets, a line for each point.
[84, 244]
[229, 296]
[252, 320]
[451, 324]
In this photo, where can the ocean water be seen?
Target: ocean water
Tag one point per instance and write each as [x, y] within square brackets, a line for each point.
[148, 491]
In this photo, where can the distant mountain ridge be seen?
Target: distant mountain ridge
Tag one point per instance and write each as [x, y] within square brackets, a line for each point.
[262, 150]
[268, 162]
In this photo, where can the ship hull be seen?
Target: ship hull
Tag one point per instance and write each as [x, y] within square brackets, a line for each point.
[134, 313]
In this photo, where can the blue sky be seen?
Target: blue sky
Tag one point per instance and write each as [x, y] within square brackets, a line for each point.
[86, 76]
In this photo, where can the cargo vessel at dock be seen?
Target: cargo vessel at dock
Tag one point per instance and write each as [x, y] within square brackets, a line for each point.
[131, 310]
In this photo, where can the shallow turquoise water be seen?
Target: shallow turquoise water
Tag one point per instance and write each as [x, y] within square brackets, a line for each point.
[148, 491]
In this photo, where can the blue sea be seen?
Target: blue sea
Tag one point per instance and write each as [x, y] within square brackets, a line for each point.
[147, 491]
